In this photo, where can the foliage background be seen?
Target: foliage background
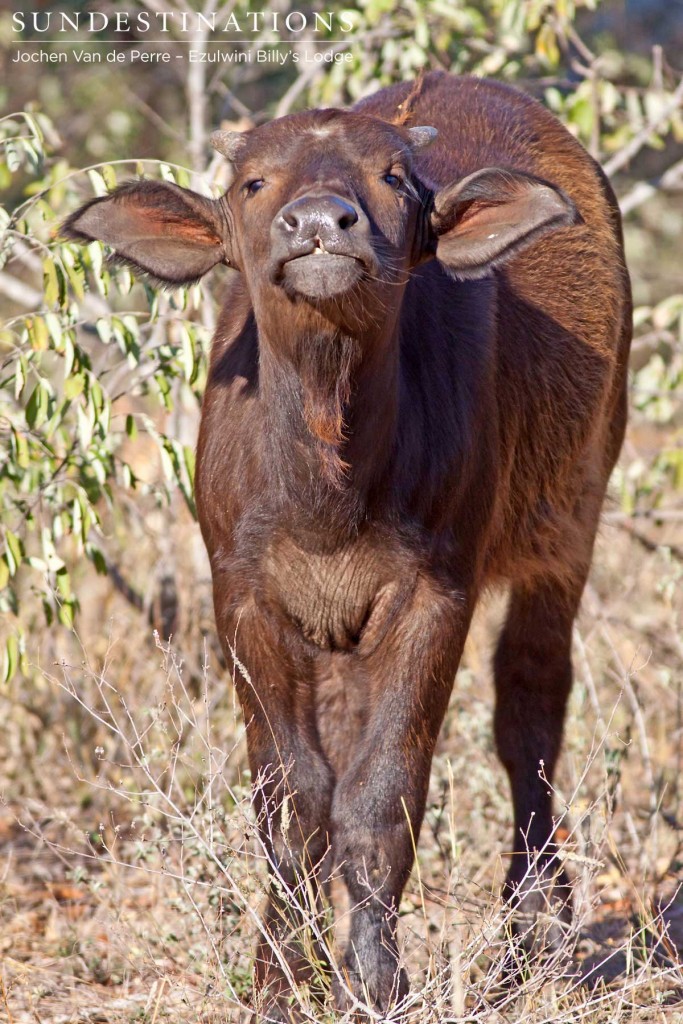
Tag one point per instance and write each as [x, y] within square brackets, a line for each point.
[100, 384]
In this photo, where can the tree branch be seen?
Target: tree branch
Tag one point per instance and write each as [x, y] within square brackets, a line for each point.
[20, 292]
[641, 138]
[670, 181]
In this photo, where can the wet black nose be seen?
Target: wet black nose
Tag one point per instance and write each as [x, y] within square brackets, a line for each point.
[311, 216]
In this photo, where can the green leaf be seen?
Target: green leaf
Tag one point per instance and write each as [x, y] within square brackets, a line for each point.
[66, 613]
[14, 551]
[189, 457]
[11, 657]
[13, 156]
[546, 45]
[75, 273]
[37, 407]
[84, 426]
[38, 334]
[74, 386]
[21, 451]
[187, 356]
[109, 176]
[69, 354]
[53, 283]
[20, 374]
[63, 582]
[98, 183]
[56, 329]
[97, 558]
[104, 329]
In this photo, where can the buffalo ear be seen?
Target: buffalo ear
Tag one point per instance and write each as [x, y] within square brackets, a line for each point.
[166, 231]
[488, 216]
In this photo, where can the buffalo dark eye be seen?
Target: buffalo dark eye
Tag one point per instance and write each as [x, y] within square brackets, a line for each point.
[392, 179]
[252, 187]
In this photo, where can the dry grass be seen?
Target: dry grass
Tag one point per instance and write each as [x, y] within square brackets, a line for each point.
[131, 880]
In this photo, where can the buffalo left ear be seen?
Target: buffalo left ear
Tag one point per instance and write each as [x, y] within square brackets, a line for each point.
[174, 235]
[485, 218]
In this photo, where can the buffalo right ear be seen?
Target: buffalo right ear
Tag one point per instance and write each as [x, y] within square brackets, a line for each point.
[174, 235]
[487, 217]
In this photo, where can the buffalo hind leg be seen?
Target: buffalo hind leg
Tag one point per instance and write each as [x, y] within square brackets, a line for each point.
[533, 677]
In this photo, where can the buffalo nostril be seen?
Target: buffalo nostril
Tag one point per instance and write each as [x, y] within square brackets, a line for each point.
[348, 218]
[290, 218]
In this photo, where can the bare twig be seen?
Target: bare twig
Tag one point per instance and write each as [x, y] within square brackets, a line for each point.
[156, 119]
[303, 79]
[670, 181]
[641, 138]
[658, 514]
[308, 73]
[648, 543]
[20, 292]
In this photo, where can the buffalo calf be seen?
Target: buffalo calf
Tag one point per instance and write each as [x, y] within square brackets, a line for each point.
[416, 391]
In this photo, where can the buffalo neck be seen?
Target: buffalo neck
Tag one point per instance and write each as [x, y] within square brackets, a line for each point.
[330, 399]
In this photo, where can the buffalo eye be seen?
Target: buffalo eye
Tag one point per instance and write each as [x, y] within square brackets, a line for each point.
[392, 179]
[252, 187]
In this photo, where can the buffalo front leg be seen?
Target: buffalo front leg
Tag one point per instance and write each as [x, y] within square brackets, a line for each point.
[379, 801]
[533, 677]
[292, 788]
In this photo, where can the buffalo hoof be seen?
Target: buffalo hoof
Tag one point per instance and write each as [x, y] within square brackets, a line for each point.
[539, 927]
[279, 1011]
[379, 987]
